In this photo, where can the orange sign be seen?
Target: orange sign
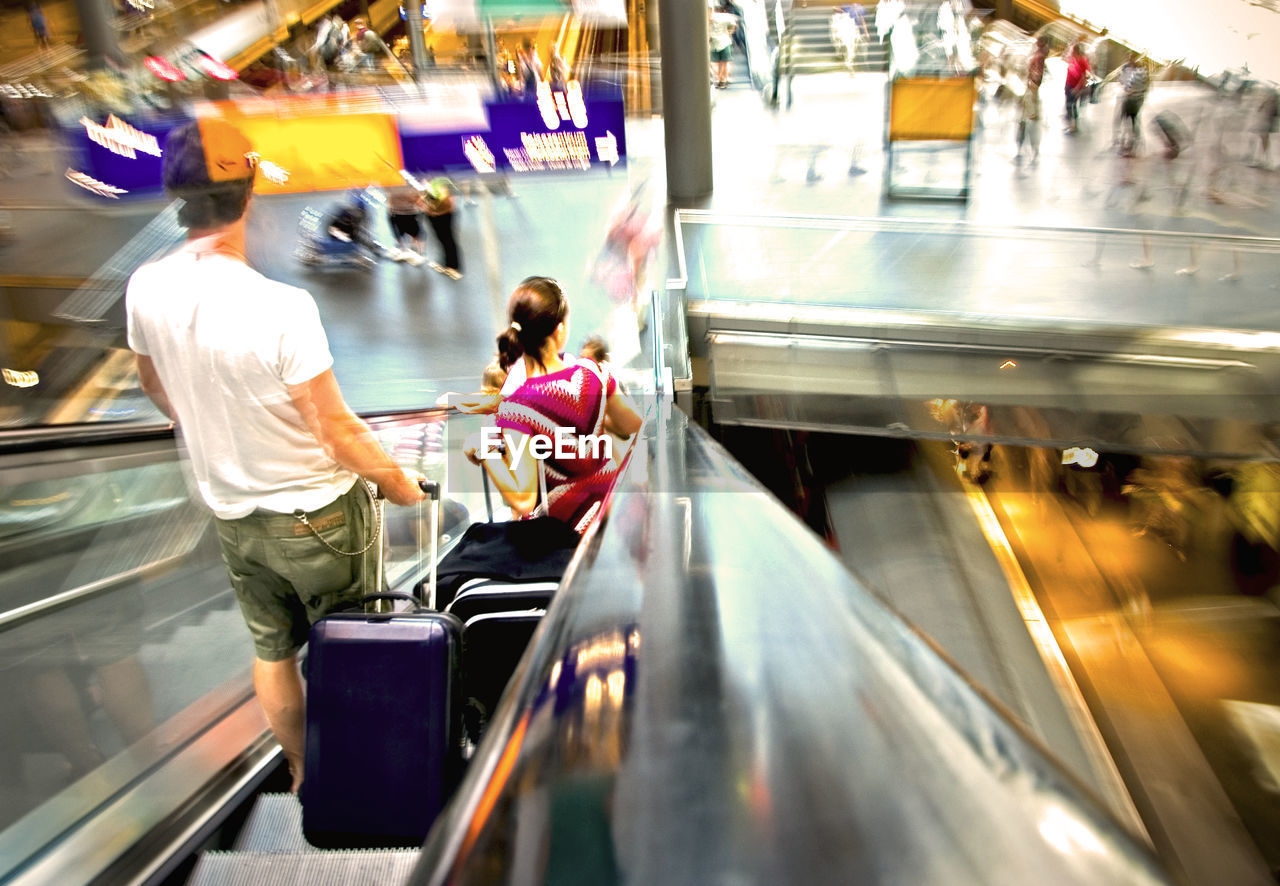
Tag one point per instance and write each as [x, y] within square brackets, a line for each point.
[316, 143]
[929, 109]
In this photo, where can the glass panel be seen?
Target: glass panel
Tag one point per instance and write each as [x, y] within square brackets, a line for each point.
[99, 688]
[120, 636]
[1172, 280]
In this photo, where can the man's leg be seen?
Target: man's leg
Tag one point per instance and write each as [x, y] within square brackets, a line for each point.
[284, 581]
[280, 692]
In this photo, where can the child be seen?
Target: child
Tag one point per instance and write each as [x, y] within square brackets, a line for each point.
[595, 349]
[486, 399]
[492, 379]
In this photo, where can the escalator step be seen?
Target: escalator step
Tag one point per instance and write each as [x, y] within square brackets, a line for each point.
[274, 825]
[372, 867]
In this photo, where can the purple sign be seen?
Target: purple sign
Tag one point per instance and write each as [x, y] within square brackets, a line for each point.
[121, 155]
[558, 132]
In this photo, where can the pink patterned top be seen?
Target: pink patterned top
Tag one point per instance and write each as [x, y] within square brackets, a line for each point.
[571, 398]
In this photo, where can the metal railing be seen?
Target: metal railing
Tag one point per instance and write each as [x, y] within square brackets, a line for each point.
[714, 698]
[1088, 277]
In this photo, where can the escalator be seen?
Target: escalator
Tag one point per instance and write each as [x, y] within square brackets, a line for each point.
[132, 726]
[690, 710]
[1098, 600]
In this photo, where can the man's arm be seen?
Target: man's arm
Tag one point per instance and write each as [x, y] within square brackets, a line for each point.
[348, 440]
[151, 385]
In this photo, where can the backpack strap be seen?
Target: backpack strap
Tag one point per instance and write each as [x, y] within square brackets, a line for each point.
[603, 378]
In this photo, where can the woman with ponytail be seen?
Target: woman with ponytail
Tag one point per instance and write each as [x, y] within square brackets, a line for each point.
[559, 396]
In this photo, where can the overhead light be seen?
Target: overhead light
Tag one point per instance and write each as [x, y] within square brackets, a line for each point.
[1080, 455]
[21, 378]
[163, 69]
[215, 69]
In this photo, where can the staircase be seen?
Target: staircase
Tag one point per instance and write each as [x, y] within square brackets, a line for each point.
[270, 851]
[810, 48]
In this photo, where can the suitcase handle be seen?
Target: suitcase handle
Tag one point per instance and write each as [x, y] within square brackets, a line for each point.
[432, 490]
[387, 595]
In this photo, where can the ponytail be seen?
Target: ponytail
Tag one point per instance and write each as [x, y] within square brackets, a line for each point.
[509, 348]
[536, 308]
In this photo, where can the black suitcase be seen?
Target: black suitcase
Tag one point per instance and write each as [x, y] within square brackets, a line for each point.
[480, 596]
[1173, 132]
[493, 644]
[383, 738]
[517, 551]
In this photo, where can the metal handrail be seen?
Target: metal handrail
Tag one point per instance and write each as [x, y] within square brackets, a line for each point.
[43, 437]
[690, 690]
[965, 228]
[46, 437]
[30, 611]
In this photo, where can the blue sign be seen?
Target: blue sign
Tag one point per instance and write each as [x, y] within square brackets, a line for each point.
[121, 154]
[520, 138]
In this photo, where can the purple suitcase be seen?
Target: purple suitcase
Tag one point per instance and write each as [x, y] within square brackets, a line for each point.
[383, 716]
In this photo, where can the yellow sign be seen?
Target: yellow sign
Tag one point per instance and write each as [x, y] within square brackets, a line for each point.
[929, 109]
[317, 143]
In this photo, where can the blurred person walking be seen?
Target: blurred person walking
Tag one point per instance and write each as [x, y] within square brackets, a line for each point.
[529, 70]
[242, 365]
[39, 25]
[369, 46]
[1266, 120]
[331, 40]
[559, 71]
[404, 210]
[440, 206]
[1029, 110]
[1134, 81]
[1077, 84]
[721, 24]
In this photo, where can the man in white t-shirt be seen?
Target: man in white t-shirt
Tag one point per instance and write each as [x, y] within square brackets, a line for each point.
[720, 27]
[242, 365]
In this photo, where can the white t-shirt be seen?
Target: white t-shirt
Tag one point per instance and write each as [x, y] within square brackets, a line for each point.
[720, 30]
[227, 342]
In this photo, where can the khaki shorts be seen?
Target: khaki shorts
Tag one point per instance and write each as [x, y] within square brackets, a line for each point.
[285, 578]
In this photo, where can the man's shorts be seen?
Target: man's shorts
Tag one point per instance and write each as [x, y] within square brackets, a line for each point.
[722, 55]
[285, 578]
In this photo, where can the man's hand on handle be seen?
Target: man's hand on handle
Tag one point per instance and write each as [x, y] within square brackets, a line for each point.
[407, 489]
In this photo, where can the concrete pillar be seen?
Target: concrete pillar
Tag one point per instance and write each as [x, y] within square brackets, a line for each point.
[100, 40]
[417, 45]
[686, 97]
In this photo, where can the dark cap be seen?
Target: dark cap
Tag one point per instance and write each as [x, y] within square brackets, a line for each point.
[206, 152]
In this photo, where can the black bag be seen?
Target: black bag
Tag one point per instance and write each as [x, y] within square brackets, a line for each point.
[518, 550]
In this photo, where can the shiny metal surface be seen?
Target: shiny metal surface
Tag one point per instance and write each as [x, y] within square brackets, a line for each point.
[1138, 397]
[714, 699]
[127, 687]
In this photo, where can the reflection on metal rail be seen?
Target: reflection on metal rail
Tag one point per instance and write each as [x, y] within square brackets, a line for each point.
[713, 698]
